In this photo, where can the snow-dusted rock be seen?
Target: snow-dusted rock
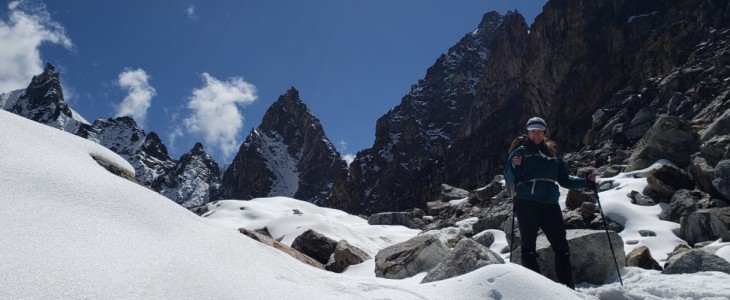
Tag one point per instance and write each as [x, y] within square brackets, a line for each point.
[411, 257]
[696, 260]
[590, 255]
[467, 256]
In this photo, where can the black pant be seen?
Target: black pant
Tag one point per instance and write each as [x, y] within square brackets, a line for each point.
[534, 215]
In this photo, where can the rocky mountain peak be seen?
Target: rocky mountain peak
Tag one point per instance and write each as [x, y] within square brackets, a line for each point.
[287, 155]
[195, 180]
[43, 102]
[197, 149]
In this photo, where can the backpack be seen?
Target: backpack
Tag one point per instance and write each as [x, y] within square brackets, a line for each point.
[509, 176]
[518, 141]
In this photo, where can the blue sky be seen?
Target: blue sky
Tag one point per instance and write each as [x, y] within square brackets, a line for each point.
[208, 70]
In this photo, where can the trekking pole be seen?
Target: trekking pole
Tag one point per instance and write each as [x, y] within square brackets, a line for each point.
[605, 225]
[512, 228]
[512, 194]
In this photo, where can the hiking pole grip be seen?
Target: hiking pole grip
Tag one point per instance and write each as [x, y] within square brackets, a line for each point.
[605, 226]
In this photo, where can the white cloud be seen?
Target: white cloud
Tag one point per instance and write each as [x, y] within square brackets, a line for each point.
[27, 27]
[215, 112]
[139, 96]
[349, 158]
[190, 11]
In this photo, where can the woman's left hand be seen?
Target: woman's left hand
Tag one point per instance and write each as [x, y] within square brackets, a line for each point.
[592, 177]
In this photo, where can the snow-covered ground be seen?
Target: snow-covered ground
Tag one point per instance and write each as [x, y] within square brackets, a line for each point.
[70, 230]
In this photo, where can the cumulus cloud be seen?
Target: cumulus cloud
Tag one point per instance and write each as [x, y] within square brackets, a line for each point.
[215, 113]
[139, 94]
[349, 157]
[28, 26]
[190, 11]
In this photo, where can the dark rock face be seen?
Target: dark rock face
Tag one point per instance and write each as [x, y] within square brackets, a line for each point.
[287, 155]
[600, 72]
[411, 137]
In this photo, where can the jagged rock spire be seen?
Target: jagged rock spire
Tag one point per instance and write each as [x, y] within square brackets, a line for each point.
[287, 155]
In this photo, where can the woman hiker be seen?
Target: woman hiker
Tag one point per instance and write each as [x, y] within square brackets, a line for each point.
[536, 170]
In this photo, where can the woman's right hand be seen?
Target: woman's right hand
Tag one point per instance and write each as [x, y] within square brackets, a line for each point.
[517, 160]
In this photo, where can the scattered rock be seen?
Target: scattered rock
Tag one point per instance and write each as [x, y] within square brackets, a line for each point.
[467, 256]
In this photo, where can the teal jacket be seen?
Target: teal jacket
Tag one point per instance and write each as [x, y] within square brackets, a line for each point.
[537, 177]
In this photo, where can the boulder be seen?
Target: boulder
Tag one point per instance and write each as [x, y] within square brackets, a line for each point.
[639, 199]
[715, 149]
[670, 138]
[722, 178]
[641, 257]
[719, 127]
[488, 192]
[282, 247]
[667, 179]
[575, 199]
[345, 255]
[695, 260]
[315, 245]
[467, 256]
[485, 239]
[436, 207]
[706, 225]
[411, 257]
[683, 203]
[449, 193]
[675, 254]
[590, 255]
[412, 219]
[703, 173]
[588, 210]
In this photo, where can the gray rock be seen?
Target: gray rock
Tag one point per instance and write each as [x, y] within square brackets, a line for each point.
[720, 127]
[588, 210]
[411, 257]
[706, 225]
[485, 194]
[435, 207]
[485, 239]
[703, 174]
[449, 193]
[411, 219]
[639, 199]
[722, 178]
[641, 257]
[315, 245]
[590, 255]
[667, 179]
[714, 150]
[695, 260]
[576, 198]
[683, 203]
[345, 255]
[670, 138]
[467, 256]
